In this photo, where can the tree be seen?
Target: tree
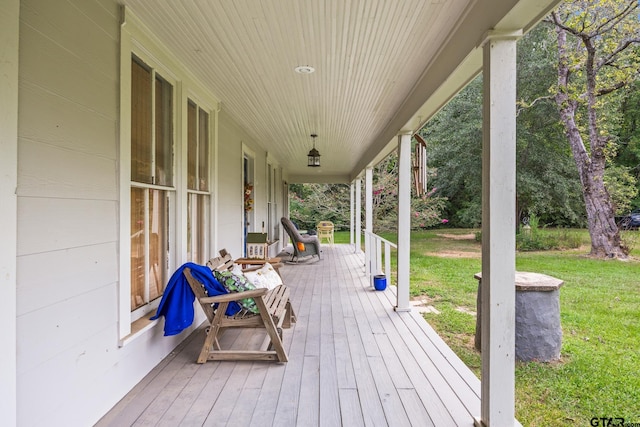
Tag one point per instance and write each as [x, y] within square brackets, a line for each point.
[425, 210]
[312, 203]
[547, 183]
[594, 61]
[454, 152]
[628, 154]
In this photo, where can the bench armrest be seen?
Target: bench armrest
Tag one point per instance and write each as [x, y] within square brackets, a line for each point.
[234, 296]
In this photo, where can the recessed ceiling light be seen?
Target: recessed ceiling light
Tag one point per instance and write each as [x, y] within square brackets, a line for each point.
[304, 69]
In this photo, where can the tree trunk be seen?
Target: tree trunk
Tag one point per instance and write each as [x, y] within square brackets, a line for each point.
[605, 237]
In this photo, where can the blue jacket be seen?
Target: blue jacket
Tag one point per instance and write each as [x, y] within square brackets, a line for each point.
[177, 301]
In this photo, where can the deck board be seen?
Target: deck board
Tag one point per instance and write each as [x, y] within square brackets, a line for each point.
[350, 409]
[353, 361]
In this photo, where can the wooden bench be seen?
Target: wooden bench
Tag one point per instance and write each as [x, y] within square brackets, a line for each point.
[274, 313]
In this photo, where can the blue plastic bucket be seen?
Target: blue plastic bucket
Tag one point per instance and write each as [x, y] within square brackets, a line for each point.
[380, 282]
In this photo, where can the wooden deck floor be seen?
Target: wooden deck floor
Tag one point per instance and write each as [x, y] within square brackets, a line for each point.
[353, 361]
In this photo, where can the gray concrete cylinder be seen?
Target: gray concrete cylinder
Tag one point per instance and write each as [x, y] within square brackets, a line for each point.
[537, 324]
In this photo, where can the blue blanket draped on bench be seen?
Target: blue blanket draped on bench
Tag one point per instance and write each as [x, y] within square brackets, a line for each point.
[177, 301]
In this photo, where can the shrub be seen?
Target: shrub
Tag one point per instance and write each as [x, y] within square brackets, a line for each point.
[533, 238]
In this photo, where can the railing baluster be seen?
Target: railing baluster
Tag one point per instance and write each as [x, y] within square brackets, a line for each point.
[374, 249]
[387, 261]
[378, 269]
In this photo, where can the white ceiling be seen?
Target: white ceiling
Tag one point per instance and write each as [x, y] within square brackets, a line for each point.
[382, 66]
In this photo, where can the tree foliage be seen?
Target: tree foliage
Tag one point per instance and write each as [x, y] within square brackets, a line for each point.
[454, 147]
[595, 40]
[628, 141]
[426, 210]
[311, 203]
[547, 182]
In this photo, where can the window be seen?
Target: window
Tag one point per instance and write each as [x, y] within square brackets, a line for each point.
[198, 197]
[273, 223]
[167, 143]
[152, 187]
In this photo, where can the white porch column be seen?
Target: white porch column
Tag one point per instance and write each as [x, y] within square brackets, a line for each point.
[358, 215]
[404, 220]
[498, 230]
[368, 221]
[352, 213]
[9, 29]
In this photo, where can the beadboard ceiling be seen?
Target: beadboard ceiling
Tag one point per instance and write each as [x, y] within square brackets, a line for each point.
[381, 67]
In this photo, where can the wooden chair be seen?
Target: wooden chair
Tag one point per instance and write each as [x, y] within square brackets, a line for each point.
[325, 231]
[275, 313]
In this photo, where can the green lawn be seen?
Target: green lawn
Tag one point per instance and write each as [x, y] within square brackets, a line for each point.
[599, 370]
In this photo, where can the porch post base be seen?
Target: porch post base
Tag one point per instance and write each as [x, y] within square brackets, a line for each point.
[477, 422]
[402, 310]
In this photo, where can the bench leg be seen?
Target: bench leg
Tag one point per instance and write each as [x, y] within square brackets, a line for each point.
[212, 334]
[289, 316]
[276, 340]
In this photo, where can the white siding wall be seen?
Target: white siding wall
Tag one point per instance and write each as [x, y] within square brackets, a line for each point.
[67, 187]
[70, 369]
[230, 185]
[9, 54]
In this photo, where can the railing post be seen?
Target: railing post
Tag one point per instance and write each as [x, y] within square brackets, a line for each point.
[387, 261]
[378, 263]
[368, 221]
[367, 253]
[352, 213]
[375, 249]
[358, 216]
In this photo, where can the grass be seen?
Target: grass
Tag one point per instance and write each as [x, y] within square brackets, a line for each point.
[597, 375]
[341, 237]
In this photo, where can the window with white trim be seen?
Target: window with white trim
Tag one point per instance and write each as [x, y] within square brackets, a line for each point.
[167, 145]
[273, 222]
[198, 195]
[152, 184]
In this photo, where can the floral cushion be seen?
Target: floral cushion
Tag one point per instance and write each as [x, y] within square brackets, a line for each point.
[265, 277]
[237, 283]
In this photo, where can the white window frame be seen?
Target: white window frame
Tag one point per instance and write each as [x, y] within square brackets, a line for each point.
[251, 177]
[273, 179]
[210, 214]
[136, 39]
[135, 42]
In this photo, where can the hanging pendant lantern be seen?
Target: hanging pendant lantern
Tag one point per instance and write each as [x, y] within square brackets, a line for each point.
[313, 158]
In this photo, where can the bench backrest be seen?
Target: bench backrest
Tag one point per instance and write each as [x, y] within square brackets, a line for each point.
[221, 263]
[200, 292]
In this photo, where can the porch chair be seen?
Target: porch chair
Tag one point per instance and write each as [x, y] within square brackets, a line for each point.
[325, 231]
[273, 312]
[303, 246]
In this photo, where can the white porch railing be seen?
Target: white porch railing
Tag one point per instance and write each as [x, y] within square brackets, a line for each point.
[376, 256]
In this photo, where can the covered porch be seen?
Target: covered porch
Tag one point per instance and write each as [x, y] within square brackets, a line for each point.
[231, 85]
[353, 360]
